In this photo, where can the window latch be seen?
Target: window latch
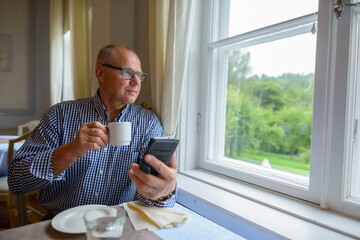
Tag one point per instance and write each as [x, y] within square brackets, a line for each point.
[339, 7]
[198, 123]
[355, 131]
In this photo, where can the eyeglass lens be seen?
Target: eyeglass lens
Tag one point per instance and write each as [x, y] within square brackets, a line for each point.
[129, 74]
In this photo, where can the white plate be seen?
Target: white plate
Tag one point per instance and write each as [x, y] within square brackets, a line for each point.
[71, 220]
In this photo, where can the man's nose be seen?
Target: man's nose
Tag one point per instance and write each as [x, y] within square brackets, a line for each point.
[135, 80]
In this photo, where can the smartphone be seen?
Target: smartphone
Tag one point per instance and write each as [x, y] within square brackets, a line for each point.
[162, 149]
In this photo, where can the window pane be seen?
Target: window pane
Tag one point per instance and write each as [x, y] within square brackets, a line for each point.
[245, 15]
[354, 162]
[68, 89]
[270, 103]
[355, 174]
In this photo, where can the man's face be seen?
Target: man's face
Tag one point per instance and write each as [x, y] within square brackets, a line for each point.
[118, 91]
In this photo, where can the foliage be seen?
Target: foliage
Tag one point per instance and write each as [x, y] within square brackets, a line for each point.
[268, 114]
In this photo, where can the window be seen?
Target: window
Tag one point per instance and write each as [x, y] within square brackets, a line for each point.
[273, 105]
[68, 89]
[351, 192]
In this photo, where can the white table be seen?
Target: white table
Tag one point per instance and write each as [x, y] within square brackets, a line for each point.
[195, 228]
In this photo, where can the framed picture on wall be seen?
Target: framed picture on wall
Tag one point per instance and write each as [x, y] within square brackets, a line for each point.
[17, 36]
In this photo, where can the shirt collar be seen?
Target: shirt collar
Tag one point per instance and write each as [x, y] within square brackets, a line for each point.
[121, 116]
[101, 110]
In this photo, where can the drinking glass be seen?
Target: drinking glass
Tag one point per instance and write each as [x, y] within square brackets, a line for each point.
[104, 223]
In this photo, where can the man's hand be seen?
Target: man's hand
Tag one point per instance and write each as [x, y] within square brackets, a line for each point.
[92, 135]
[151, 186]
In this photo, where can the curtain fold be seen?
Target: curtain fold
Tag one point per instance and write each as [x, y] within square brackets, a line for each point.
[75, 16]
[80, 30]
[158, 18]
[56, 50]
[170, 35]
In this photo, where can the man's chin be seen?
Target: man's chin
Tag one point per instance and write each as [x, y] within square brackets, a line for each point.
[130, 101]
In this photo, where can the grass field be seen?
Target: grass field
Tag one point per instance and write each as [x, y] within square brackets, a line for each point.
[287, 163]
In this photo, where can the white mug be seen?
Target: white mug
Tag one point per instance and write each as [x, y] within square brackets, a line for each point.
[120, 133]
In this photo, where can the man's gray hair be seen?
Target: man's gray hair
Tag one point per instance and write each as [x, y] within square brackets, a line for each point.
[106, 54]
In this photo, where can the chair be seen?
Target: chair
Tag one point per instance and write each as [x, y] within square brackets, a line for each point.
[17, 204]
[27, 127]
[146, 106]
[5, 194]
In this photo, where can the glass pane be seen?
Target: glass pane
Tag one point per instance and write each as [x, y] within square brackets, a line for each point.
[246, 16]
[270, 103]
[68, 89]
[355, 174]
[355, 160]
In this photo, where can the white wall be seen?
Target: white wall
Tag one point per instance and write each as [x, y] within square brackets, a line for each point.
[38, 78]
[123, 22]
[114, 22]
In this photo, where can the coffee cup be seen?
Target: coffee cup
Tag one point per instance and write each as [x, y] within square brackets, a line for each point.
[119, 133]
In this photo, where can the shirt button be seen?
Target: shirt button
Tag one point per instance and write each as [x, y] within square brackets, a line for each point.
[100, 118]
[101, 172]
[105, 148]
[96, 194]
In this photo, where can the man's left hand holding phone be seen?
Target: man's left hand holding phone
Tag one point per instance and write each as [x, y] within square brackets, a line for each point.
[151, 186]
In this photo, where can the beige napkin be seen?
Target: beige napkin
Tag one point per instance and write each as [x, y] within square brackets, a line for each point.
[152, 217]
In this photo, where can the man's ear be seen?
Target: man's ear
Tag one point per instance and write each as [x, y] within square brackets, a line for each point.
[99, 71]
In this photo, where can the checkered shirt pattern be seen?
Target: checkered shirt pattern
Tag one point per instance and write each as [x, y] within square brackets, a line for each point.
[100, 177]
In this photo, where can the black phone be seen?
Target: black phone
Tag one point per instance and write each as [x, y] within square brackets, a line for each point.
[162, 149]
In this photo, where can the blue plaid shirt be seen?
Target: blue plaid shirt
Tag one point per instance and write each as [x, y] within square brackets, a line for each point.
[100, 177]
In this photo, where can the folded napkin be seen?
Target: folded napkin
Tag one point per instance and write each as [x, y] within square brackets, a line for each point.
[151, 217]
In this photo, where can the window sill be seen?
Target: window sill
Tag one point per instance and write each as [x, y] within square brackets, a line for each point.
[254, 212]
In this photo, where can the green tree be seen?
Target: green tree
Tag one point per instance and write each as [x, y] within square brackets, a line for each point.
[270, 94]
[267, 114]
[241, 122]
[238, 69]
[268, 131]
[237, 106]
[296, 124]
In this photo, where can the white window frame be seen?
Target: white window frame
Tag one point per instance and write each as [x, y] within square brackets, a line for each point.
[326, 187]
[215, 160]
[351, 186]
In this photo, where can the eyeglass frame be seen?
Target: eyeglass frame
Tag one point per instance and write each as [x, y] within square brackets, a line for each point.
[122, 69]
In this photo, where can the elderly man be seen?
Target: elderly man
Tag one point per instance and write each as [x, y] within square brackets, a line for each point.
[69, 158]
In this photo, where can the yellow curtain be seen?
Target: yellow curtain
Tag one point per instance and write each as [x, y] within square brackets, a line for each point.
[56, 50]
[158, 19]
[170, 32]
[80, 31]
[75, 16]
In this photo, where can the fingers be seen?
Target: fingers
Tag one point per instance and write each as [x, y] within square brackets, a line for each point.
[97, 133]
[141, 181]
[152, 186]
[165, 172]
[92, 135]
[173, 163]
[96, 137]
[98, 130]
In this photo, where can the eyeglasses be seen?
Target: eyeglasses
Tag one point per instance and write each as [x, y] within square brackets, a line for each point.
[127, 73]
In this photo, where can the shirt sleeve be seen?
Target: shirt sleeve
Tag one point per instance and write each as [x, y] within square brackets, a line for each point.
[32, 168]
[168, 203]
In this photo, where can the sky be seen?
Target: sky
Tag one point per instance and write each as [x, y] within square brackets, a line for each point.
[296, 54]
